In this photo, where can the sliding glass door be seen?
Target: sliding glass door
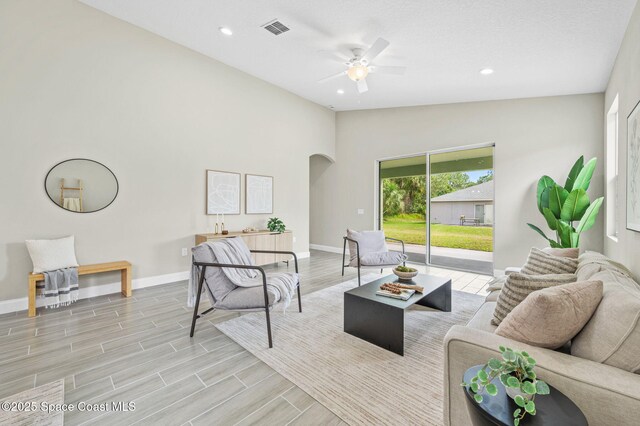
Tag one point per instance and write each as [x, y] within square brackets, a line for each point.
[403, 196]
[461, 209]
[441, 205]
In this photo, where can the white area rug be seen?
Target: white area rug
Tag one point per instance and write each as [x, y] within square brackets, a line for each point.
[360, 382]
[51, 393]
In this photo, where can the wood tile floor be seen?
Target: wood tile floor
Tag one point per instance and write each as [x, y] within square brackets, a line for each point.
[110, 349]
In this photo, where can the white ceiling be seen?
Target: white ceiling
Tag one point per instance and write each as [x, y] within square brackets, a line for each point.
[537, 47]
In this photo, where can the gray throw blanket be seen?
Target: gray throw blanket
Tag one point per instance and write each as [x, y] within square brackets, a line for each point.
[60, 287]
[235, 252]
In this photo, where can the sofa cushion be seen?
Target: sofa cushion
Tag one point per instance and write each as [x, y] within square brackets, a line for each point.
[612, 335]
[591, 262]
[493, 295]
[482, 318]
[518, 286]
[368, 242]
[550, 317]
[543, 263]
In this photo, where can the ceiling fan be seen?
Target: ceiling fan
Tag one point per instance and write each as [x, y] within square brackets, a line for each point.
[361, 65]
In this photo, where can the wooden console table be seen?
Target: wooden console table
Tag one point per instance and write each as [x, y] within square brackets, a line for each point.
[260, 240]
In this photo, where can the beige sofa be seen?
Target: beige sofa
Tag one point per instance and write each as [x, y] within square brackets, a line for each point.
[607, 392]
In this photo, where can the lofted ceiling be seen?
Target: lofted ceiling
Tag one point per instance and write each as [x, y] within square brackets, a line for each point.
[535, 47]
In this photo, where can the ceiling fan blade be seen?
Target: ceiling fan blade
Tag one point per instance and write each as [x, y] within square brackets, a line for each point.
[377, 47]
[383, 69]
[331, 77]
[362, 86]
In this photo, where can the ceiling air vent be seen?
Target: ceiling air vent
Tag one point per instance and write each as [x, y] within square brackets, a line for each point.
[275, 27]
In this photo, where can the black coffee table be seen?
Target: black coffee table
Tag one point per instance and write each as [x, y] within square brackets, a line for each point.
[380, 320]
[552, 409]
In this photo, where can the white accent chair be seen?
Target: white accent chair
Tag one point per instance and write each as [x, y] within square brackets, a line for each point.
[368, 249]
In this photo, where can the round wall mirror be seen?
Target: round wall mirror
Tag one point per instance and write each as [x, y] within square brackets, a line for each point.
[80, 185]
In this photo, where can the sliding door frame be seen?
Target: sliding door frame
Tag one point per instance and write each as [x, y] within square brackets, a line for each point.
[377, 204]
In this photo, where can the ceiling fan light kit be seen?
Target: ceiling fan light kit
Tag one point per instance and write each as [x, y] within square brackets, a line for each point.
[358, 72]
[360, 66]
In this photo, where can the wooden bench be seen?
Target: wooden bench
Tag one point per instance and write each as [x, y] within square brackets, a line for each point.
[125, 276]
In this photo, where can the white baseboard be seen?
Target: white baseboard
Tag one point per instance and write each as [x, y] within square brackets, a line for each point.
[325, 248]
[303, 254]
[22, 304]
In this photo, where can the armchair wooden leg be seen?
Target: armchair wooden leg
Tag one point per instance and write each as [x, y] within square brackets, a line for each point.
[358, 275]
[299, 299]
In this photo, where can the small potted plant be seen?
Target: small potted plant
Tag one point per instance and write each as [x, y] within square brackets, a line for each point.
[275, 225]
[515, 372]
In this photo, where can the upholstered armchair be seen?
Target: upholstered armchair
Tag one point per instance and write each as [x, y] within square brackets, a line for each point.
[219, 277]
[368, 249]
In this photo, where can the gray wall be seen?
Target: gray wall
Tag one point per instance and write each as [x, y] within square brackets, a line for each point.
[79, 83]
[532, 137]
[625, 82]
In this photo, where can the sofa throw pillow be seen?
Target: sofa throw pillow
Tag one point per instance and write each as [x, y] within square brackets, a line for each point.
[542, 263]
[50, 255]
[550, 317]
[612, 335]
[368, 242]
[518, 286]
[571, 253]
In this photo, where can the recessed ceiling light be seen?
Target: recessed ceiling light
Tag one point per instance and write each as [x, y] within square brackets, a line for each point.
[486, 71]
[226, 31]
[340, 92]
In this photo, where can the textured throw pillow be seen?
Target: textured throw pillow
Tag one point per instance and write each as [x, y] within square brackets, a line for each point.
[571, 253]
[612, 335]
[49, 255]
[518, 286]
[550, 317]
[368, 242]
[542, 263]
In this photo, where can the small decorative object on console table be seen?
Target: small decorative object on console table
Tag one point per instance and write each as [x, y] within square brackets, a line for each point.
[512, 395]
[275, 225]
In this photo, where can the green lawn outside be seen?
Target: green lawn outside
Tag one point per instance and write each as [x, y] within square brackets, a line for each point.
[412, 229]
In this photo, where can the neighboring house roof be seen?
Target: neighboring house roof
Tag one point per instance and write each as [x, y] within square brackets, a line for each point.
[480, 192]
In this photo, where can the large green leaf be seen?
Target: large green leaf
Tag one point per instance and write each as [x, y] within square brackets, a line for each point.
[550, 218]
[543, 183]
[552, 243]
[538, 230]
[584, 178]
[564, 232]
[557, 196]
[575, 205]
[573, 174]
[590, 216]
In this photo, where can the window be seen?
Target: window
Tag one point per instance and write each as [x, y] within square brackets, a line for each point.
[611, 172]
